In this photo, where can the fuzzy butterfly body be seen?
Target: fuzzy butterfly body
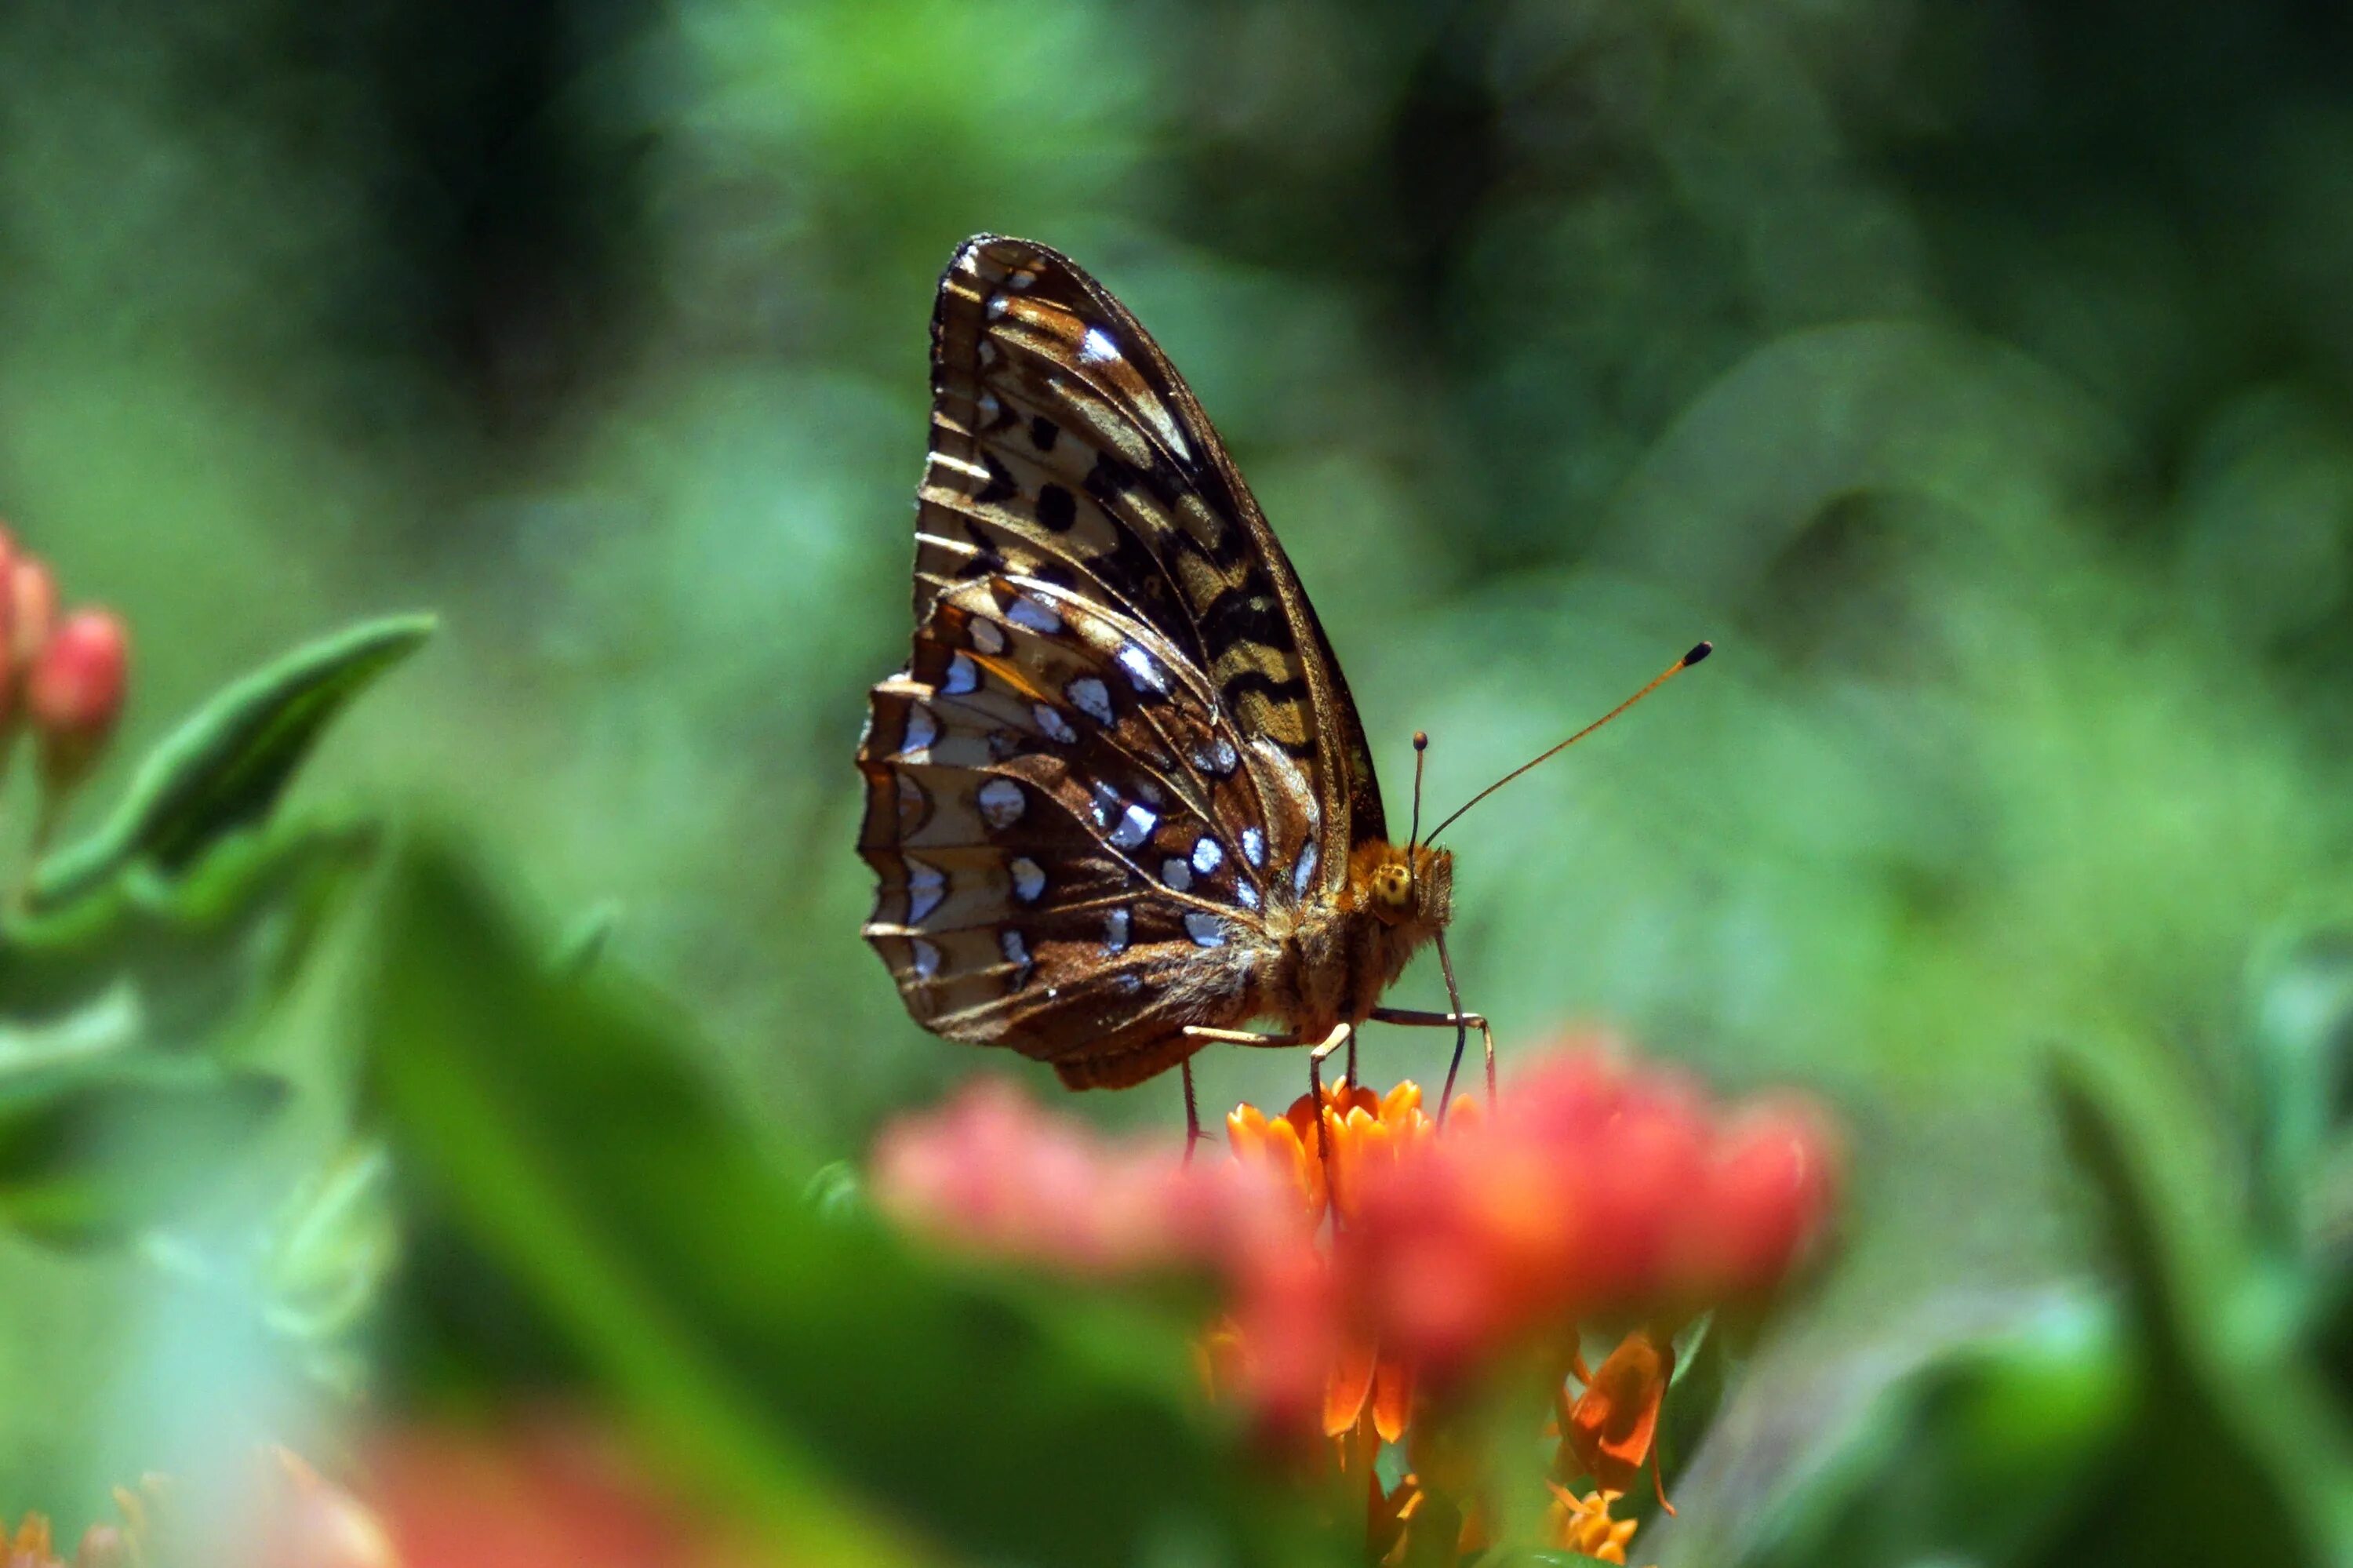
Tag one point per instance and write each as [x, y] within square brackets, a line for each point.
[1120, 791]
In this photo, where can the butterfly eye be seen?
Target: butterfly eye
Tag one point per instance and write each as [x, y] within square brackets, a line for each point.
[1393, 889]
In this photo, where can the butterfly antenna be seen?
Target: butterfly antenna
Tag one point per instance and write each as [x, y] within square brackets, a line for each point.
[1420, 750]
[1661, 679]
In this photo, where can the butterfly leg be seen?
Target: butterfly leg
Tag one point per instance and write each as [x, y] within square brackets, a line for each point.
[1460, 1023]
[1192, 1113]
[1208, 1035]
[1203, 1034]
[1454, 1005]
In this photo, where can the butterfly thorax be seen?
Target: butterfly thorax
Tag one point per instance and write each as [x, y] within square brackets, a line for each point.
[1344, 949]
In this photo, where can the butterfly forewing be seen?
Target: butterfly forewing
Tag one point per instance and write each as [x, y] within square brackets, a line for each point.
[1035, 363]
[1122, 740]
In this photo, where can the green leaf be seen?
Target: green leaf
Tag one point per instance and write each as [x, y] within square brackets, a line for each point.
[92, 1151]
[150, 963]
[226, 766]
[792, 1352]
[584, 942]
[1693, 1396]
[1973, 1455]
[332, 1246]
[2303, 1057]
[2229, 1406]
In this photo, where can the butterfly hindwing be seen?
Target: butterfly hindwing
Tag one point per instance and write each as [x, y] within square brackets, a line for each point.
[1052, 811]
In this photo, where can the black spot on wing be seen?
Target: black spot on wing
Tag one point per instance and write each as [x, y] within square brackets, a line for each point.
[1113, 476]
[1042, 431]
[987, 560]
[1244, 682]
[1246, 612]
[1057, 508]
[1000, 485]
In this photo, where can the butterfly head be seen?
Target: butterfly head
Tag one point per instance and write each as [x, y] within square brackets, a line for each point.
[1413, 885]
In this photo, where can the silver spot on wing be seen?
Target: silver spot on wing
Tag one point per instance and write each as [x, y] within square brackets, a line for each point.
[1091, 698]
[923, 729]
[926, 886]
[1001, 801]
[1135, 825]
[1040, 618]
[1050, 720]
[1146, 674]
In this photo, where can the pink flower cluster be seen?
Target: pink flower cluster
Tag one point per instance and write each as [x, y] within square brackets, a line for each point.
[1594, 1186]
[992, 1172]
[67, 677]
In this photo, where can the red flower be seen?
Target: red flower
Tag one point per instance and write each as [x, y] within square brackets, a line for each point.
[1595, 1188]
[551, 1493]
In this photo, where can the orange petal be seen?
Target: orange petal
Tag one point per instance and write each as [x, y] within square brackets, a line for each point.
[1401, 1101]
[1614, 1421]
[1350, 1384]
[1246, 1131]
[1392, 1397]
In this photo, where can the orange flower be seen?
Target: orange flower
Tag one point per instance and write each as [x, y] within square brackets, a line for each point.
[1399, 1523]
[1575, 1523]
[1362, 1132]
[1612, 1426]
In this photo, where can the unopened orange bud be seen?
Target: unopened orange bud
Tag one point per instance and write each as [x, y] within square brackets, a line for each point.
[74, 690]
[32, 607]
[12, 669]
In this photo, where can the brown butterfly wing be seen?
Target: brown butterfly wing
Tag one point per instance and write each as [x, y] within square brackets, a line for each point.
[1121, 736]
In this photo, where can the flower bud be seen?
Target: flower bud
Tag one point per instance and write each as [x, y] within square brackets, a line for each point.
[32, 607]
[12, 669]
[74, 690]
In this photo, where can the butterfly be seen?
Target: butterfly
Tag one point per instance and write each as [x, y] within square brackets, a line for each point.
[1119, 803]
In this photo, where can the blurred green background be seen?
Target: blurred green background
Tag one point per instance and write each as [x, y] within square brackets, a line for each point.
[1974, 372]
